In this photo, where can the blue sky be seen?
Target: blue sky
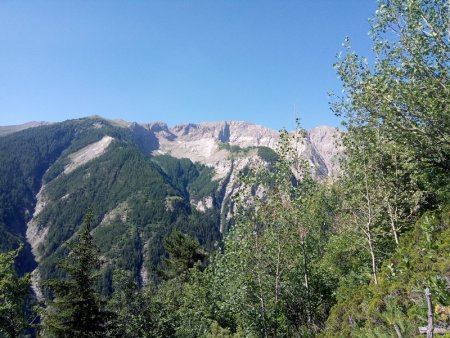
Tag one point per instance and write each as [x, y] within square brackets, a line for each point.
[176, 61]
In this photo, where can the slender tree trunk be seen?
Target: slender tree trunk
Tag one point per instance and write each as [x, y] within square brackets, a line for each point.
[397, 331]
[392, 218]
[277, 274]
[261, 292]
[369, 227]
[308, 295]
[430, 313]
[277, 283]
[372, 255]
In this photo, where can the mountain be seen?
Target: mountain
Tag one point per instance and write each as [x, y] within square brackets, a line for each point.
[142, 180]
[5, 130]
[205, 143]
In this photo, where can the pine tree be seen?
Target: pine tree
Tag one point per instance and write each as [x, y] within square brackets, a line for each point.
[184, 253]
[13, 291]
[133, 308]
[76, 310]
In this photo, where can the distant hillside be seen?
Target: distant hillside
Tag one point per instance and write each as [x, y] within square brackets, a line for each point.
[5, 130]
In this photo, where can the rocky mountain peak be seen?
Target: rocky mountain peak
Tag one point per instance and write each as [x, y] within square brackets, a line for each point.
[204, 142]
[155, 126]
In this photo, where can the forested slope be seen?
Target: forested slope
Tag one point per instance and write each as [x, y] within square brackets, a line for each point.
[136, 200]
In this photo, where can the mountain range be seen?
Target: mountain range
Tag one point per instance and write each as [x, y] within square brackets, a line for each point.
[142, 180]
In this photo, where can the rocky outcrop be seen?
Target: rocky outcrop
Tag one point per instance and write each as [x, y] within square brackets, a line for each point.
[87, 154]
[204, 143]
[327, 142]
[36, 232]
[203, 204]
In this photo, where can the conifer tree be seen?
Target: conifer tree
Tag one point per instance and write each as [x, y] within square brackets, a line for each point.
[184, 252]
[133, 308]
[76, 310]
[13, 291]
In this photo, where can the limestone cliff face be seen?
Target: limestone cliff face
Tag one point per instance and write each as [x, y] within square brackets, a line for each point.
[327, 143]
[229, 147]
[205, 143]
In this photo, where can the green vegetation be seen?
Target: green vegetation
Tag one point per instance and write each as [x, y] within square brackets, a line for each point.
[343, 258]
[193, 180]
[25, 156]
[267, 154]
[76, 309]
[184, 253]
[233, 149]
[13, 293]
[397, 168]
[397, 301]
[269, 281]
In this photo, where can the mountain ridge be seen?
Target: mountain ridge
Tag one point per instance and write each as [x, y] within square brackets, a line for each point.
[201, 141]
[143, 179]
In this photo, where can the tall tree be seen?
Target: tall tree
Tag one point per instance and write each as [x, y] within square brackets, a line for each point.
[133, 308]
[405, 93]
[76, 309]
[13, 290]
[397, 114]
[184, 253]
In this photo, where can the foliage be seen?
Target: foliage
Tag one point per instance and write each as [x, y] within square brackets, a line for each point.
[267, 154]
[122, 176]
[133, 308]
[77, 309]
[25, 156]
[193, 180]
[233, 149]
[269, 282]
[396, 166]
[421, 261]
[405, 93]
[183, 254]
[13, 291]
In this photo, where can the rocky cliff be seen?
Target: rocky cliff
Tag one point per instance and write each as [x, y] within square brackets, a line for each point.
[229, 147]
[213, 143]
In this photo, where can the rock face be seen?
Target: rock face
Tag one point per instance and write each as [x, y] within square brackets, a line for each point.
[87, 154]
[229, 147]
[326, 141]
[210, 143]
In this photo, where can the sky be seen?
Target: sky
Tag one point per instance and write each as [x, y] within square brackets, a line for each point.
[176, 61]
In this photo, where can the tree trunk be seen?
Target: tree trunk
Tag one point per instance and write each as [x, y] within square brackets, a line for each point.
[369, 226]
[372, 255]
[397, 331]
[392, 217]
[305, 264]
[430, 313]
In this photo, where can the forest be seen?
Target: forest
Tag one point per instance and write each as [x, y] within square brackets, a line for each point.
[354, 256]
